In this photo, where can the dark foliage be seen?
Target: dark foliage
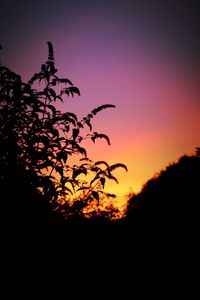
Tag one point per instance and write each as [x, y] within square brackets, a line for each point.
[168, 203]
[38, 185]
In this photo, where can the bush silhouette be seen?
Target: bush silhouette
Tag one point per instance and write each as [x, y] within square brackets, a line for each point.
[37, 184]
[169, 201]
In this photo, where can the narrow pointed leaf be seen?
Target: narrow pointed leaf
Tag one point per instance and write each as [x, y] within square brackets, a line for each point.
[95, 195]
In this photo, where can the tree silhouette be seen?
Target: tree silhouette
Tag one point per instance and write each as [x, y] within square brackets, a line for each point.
[36, 142]
[169, 201]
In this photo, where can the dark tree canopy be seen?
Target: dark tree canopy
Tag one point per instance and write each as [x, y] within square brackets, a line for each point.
[170, 200]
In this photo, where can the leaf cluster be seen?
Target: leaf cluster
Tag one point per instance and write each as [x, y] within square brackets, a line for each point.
[37, 137]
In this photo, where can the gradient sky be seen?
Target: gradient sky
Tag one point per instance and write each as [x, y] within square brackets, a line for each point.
[142, 56]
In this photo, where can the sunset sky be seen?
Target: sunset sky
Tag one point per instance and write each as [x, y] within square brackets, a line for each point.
[142, 56]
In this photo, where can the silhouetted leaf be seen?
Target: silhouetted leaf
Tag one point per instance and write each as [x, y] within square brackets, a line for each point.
[52, 108]
[101, 162]
[118, 165]
[88, 124]
[111, 195]
[59, 170]
[89, 116]
[100, 136]
[103, 180]
[79, 171]
[95, 195]
[62, 155]
[75, 133]
[81, 150]
[66, 91]
[65, 80]
[99, 108]
[112, 178]
[52, 93]
[68, 190]
[79, 124]
[95, 169]
[72, 115]
[67, 118]
[50, 52]
[74, 89]
[85, 159]
[59, 98]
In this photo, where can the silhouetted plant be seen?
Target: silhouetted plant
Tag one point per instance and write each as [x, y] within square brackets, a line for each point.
[169, 199]
[37, 140]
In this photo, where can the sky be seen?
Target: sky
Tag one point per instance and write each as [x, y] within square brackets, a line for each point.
[142, 56]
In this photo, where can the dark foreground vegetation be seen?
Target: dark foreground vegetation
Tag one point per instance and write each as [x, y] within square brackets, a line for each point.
[45, 205]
